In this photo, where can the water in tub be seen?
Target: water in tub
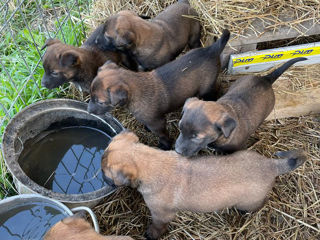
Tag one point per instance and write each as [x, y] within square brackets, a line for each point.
[28, 221]
[67, 160]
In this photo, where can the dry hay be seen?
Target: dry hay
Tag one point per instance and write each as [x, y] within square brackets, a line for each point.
[236, 15]
[293, 210]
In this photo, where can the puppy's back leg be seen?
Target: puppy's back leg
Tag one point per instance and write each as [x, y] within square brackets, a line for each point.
[160, 221]
[194, 38]
[195, 31]
[214, 92]
[158, 126]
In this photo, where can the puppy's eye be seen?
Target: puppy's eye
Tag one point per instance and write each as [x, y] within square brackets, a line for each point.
[195, 138]
[54, 74]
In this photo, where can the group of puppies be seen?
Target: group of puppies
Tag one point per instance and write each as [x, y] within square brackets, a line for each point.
[129, 61]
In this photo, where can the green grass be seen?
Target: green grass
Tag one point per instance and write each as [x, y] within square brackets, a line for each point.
[24, 88]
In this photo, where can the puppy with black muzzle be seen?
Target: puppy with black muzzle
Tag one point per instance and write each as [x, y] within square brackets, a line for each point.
[76, 228]
[170, 182]
[150, 95]
[65, 63]
[155, 42]
[228, 122]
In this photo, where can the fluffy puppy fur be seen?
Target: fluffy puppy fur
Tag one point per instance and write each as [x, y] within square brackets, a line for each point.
[65, 63]
[228, 122]
[170, 182]
[157, 41]
[150, 95]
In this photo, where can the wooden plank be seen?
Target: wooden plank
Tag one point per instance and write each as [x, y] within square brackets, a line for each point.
[269, 30]
[296, 104]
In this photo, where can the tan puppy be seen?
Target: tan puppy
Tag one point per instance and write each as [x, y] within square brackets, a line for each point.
[170, 182]
[65, 63]
[158, 41]
[230, 121]
[150, 95]
[75, 228]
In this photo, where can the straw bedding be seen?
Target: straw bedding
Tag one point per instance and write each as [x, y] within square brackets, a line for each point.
[293, 208]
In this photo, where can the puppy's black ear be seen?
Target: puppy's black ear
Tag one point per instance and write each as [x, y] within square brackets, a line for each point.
[69, 58]
[227, 125]
[118, 95]
[49, 42]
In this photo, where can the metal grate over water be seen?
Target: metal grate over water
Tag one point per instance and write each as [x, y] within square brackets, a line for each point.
[78, 173]
[67, 160]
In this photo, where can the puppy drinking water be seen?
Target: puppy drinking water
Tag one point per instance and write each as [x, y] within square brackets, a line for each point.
[170, 182]
[150, 95]
[228, 122]
[76, 228]
[155, 42]
[65, 63]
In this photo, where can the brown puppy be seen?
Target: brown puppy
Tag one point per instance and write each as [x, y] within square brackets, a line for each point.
[230, 121]
[158, 41]
[170, 182]
[65, 63]
[74, 228]
[150, 95]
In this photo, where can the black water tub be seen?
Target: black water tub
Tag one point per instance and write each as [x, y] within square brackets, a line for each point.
[35, 122]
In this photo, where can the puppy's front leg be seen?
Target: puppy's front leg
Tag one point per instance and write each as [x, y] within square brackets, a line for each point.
[160, 221]
[158, 126]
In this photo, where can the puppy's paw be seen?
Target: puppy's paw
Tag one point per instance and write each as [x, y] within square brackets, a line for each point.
[148, 237]
[164, 146]
[151, 233]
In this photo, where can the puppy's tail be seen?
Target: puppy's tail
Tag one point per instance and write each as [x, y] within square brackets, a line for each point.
[292, 160]
[217, 47]
[272, 77]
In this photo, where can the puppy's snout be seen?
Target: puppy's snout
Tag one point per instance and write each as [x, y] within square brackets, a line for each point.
[91, 107]
[108, 180]
[178, 150]
[180, 146]
[184, 150]
[45, 81]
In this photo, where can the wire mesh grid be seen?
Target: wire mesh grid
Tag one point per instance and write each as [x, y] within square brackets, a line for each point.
[24, 27]
[78, 173]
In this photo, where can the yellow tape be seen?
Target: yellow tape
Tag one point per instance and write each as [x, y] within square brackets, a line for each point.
[276, 56]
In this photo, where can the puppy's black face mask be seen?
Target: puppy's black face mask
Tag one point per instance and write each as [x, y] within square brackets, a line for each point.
[97, 108]
[61, 65]
[52, 80]
[189, 146]
[108, 180]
